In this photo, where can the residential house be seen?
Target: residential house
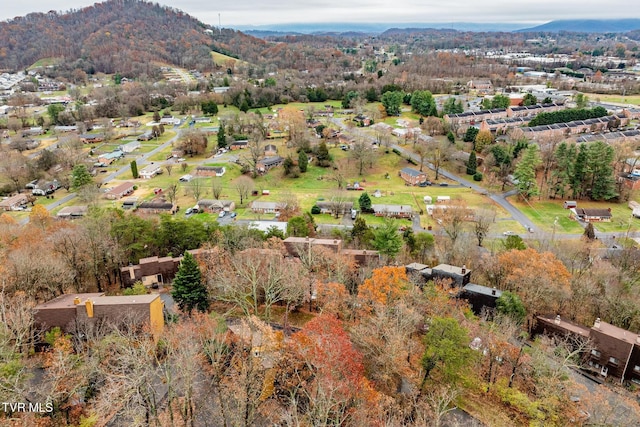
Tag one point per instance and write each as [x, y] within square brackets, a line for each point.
[480, 298]
[362, 256]
[150, 171]
[156, 208]
[13, 203]
[72, 212]
[210, 170]
[329, 207]
[459, 276]
[294, 245]
[130, 147]
[67, 310]
[267, 163]
[239, 145]
[147, 136]
[108, 158]
[612, 351]
[482, 86]
[258, 206]
[412, 176]
[591, 215]
[215, 206]
[91, 138]
[119, 191]
[154, 270]
[393, 211]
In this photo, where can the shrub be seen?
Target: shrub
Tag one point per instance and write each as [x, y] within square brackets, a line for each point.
[315, 210]
[477, 176]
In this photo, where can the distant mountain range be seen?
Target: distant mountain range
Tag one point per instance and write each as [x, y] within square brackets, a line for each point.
[369, 28]
[587, 26]
[344, 28]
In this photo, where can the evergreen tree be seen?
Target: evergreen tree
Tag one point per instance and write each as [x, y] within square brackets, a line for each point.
[472, 164]
[222, 138]
[303, 161]
[364, 201]
[565, 157]
[323, 156]
[386, 238]
[134, 169]
[80, 176]
[361, 233]
[580, 172]
[603, 182]
[470, 134]
[188, 290]
[511, 305]
[529, 99]
[451, 106]
[525, 173]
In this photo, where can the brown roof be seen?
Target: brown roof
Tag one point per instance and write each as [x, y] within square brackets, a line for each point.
[593, 212]
[616, 332]
[125, 300]
[64, 301]
[566, 325]
[121, 188]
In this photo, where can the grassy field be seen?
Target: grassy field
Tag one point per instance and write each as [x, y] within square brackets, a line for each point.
[632, 100]
[544, 213]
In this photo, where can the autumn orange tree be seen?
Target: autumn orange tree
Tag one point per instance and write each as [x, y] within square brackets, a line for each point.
[539, 278]
[335, 387]
[387, 284]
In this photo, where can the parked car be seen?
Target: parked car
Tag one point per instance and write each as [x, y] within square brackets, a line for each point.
[222, 214]
[444, 184]
[233, 215]
[186, 178]
[425, 183]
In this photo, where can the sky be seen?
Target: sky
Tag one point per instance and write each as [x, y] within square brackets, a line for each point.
[261, 12]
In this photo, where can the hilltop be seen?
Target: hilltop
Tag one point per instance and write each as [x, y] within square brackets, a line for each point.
[123, 36]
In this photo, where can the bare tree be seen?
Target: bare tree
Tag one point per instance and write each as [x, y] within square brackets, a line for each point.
[243, 185]
[482, 222]
[197, 188]
[171, 193]
[216, 188]
[168, 167]
[338, 203]
[256, 151]
[362, 153]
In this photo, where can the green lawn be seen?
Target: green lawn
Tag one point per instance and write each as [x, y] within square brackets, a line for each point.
[544, 213]
[634, 100]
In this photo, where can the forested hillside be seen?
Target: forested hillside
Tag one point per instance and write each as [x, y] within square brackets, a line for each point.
[122, 36]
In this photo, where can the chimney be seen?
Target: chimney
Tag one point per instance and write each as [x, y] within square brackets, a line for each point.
[464, 269]
[89, 305]
[493, 291]
[597, 323]
[76, 301]
[557, 321]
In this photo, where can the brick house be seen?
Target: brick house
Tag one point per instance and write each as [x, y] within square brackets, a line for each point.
[412, 176]
[591, 215]
[156, 208]
[215, 206]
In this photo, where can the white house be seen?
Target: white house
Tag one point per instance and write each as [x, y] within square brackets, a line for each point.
[150, 171]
